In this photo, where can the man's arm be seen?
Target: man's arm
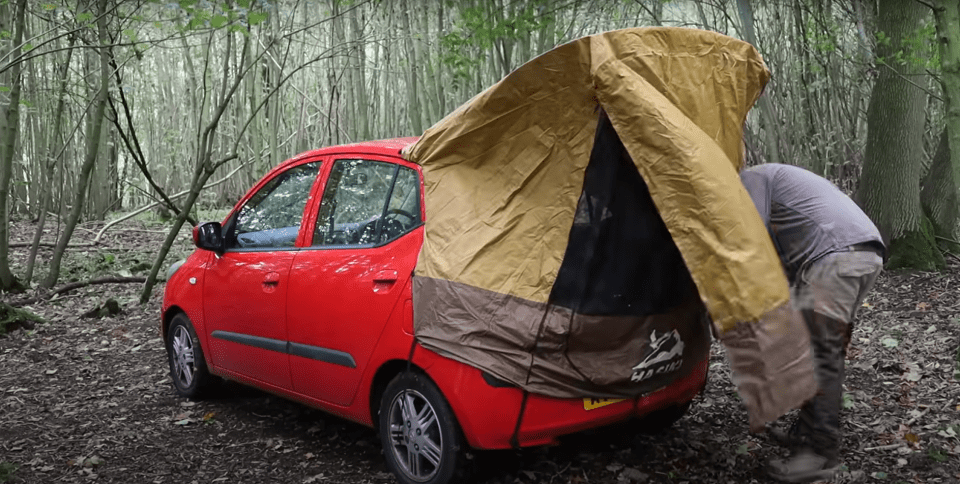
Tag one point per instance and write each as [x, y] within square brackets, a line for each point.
[756, 185]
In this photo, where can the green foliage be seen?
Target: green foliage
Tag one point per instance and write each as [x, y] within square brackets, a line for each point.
[7, 470]
[937, 454]
[475, 31]
[848, 401]
[255, 18]
[85, 17]
[956, 373]
[218, 21]
[917, 49]
[821, 38]
[232, 16]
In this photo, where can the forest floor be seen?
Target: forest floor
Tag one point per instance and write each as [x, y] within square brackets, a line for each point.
[86, 399]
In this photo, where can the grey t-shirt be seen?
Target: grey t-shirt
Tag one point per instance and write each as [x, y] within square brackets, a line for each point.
[807, 216]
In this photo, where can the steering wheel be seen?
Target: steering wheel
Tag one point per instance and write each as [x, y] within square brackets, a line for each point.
[393, 212]
[390, 226]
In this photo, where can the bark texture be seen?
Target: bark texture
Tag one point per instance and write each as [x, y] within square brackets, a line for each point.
[940, 189]
[94, 129]
[939, 197]
[890, 183]
[8, 140]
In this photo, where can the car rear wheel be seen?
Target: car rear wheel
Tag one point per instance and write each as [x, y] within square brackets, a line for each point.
[419, 433]
[661, 420]
[188, 369]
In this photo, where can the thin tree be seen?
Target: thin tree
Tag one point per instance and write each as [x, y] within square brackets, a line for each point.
[207, 158]
[9, 126]
[54, 153]
[92, 136]
[769, 115]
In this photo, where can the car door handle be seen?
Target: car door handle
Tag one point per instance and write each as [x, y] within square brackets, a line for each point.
[386, 276]
[271, 279]
[384, 280]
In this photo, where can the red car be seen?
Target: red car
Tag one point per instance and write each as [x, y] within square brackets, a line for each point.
[304, 291]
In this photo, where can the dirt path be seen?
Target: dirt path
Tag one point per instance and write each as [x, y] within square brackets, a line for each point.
[85, 400]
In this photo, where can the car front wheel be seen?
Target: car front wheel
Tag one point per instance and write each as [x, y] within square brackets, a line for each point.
[187, 366]
[420, 437]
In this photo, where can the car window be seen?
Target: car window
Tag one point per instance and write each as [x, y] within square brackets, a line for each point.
[367, 203]
[271, 217]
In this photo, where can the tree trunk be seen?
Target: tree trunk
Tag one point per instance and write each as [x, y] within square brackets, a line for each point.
[54, 152]
[414, 114]
[92, 136]
[890, 182]
[939, 197]
[770, 122]
[358, 61]
[940, 189]
[8, 139]
[204, 166]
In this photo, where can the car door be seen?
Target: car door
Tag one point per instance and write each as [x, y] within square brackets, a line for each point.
[245, 288]
[348, 284]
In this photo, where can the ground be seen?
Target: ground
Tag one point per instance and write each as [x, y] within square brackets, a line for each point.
[87, 399]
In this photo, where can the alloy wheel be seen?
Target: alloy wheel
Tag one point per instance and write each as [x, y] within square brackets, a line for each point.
[183, 357]
[415, 435]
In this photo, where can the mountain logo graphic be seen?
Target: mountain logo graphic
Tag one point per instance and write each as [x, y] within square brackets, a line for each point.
[666, 356]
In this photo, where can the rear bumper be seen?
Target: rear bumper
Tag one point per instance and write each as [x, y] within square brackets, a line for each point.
[488, 415]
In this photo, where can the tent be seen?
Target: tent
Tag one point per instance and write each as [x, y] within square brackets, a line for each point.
[585, 214]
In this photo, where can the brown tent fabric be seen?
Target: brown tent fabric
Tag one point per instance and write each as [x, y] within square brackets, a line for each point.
[513, 227]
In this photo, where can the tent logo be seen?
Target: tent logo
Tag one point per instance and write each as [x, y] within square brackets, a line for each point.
[666, 356]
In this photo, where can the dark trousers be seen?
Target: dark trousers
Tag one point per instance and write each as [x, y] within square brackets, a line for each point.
[819, 419]
[828, 293]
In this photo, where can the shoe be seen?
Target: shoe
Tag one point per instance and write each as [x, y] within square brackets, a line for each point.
[803, 466]
[789, 438]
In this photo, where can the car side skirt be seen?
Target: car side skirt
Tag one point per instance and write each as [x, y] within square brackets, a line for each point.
[318, 353]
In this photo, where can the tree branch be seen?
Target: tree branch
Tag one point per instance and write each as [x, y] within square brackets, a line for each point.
[75, 285]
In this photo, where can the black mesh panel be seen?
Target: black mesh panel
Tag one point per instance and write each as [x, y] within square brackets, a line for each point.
[620, 259]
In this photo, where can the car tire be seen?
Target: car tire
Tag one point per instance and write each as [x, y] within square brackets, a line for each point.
[419, 433]
[661, 420]
[188, 368]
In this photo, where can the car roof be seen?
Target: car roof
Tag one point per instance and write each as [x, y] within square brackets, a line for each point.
[384, 147]
[390, 147]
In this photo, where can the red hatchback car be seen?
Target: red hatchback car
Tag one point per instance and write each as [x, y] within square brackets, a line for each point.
[304, 291]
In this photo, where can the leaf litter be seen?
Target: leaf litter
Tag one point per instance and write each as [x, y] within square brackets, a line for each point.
[89, 400]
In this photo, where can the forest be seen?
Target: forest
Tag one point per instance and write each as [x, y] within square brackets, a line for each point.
[123, 123]
[111, 108]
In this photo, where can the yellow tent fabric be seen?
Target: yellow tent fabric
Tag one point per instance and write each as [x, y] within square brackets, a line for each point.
[503, 173]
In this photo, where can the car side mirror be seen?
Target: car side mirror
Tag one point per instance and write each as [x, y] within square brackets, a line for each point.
[209, 236]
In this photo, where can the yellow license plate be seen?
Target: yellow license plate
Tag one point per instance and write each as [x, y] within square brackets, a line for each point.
[592, 403]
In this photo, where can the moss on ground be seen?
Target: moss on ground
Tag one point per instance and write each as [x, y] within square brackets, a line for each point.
[916, 250]
[12, 318]
[7, 470]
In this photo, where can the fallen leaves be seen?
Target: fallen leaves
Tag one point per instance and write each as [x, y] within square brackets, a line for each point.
[100, 390]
